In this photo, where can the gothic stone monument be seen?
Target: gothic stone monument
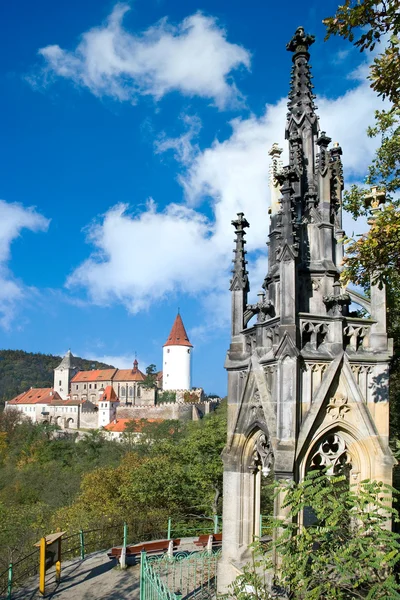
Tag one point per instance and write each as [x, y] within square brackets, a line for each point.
[308, 381]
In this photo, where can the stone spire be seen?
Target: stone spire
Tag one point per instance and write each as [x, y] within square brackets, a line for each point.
[287, 177]
[301, 99]
[240, 280]
[178, 335]
[66, 362]
[307, 378]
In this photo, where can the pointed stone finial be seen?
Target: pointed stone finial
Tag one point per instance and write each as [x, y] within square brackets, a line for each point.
[240, 279]
[301, 98]
[274, 170]
[276, 162]
[286, 179]
[300, 42]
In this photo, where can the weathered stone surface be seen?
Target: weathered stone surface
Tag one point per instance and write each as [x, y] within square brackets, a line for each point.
[308, 381]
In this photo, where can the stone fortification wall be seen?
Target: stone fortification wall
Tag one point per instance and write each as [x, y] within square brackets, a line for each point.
[89, 419]
[170, 410]
[188, 411]
[185, 396]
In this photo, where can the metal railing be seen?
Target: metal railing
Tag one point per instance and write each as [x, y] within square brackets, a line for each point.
[185, 575]
[81, 543]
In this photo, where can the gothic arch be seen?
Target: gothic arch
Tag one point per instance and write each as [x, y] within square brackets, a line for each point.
[337, 446]
[256, 462]
[257, 449]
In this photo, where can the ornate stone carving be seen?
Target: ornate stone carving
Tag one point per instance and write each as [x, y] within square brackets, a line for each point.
[263, 457]
[256, 412]
[250, 342]
[262, 309]
[314, 333]
[354, 337]
[331, 454]
[336, 301]
[338, 407]
[240, 280]
[270, 369]
[315, 283]
[272, 336]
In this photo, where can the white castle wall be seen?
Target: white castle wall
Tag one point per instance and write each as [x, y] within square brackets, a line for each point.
[176, 367]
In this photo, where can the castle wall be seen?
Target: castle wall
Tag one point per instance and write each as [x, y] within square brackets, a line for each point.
[171, 410]
[89, 419]
[133, 393]
[163, 411]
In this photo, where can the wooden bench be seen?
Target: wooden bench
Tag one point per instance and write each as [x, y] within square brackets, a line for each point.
[156, 547]
[203, 539]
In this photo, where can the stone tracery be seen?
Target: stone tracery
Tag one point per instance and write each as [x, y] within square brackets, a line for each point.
[262, 457]
[332, 454]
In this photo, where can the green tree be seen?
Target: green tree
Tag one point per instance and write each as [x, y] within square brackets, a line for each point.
[366, 23]
[348, 552]
[151, 375]
[369, 25]
[201, 452]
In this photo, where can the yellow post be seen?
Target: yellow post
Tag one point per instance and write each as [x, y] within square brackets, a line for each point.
[58, 562]
[58, 571]
[42, 565]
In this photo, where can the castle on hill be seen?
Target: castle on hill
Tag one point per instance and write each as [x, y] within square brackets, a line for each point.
[98, 398]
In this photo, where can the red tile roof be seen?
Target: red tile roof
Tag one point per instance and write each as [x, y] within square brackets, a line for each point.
[129, 375]
[109, 395]
[119, 425]
[178, 335]
[95, 375]
[36, 396]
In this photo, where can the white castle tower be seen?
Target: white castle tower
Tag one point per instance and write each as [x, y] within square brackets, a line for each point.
[177, 356]
[63, 375]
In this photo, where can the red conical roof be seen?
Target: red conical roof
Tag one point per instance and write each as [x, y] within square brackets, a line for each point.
[178, 335]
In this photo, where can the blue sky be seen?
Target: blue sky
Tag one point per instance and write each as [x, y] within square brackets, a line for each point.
[132, 133]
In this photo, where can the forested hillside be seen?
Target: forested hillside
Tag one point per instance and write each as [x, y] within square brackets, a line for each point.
[49, 482]
[21, 370]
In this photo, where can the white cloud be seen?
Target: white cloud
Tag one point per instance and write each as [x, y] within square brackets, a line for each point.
[193, 57]
[141, 259]
[122, 361]
[14, 218]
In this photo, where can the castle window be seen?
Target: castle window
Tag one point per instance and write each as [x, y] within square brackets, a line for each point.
[59, 383]
[122, 391]
[90, 386]
[188, 351]
[84, 386]
[131, 392]
[77, 386]
[168, 350]
[95, 386]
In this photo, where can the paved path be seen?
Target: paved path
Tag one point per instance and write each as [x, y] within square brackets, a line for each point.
[95, 578]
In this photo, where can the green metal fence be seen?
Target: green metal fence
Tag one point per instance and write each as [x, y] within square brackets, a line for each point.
[83, 542]
[185, 575]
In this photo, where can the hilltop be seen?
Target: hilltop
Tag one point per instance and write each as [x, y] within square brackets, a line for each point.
[21, 370]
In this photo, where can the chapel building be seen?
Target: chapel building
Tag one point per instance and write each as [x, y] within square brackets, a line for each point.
[307, 374]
